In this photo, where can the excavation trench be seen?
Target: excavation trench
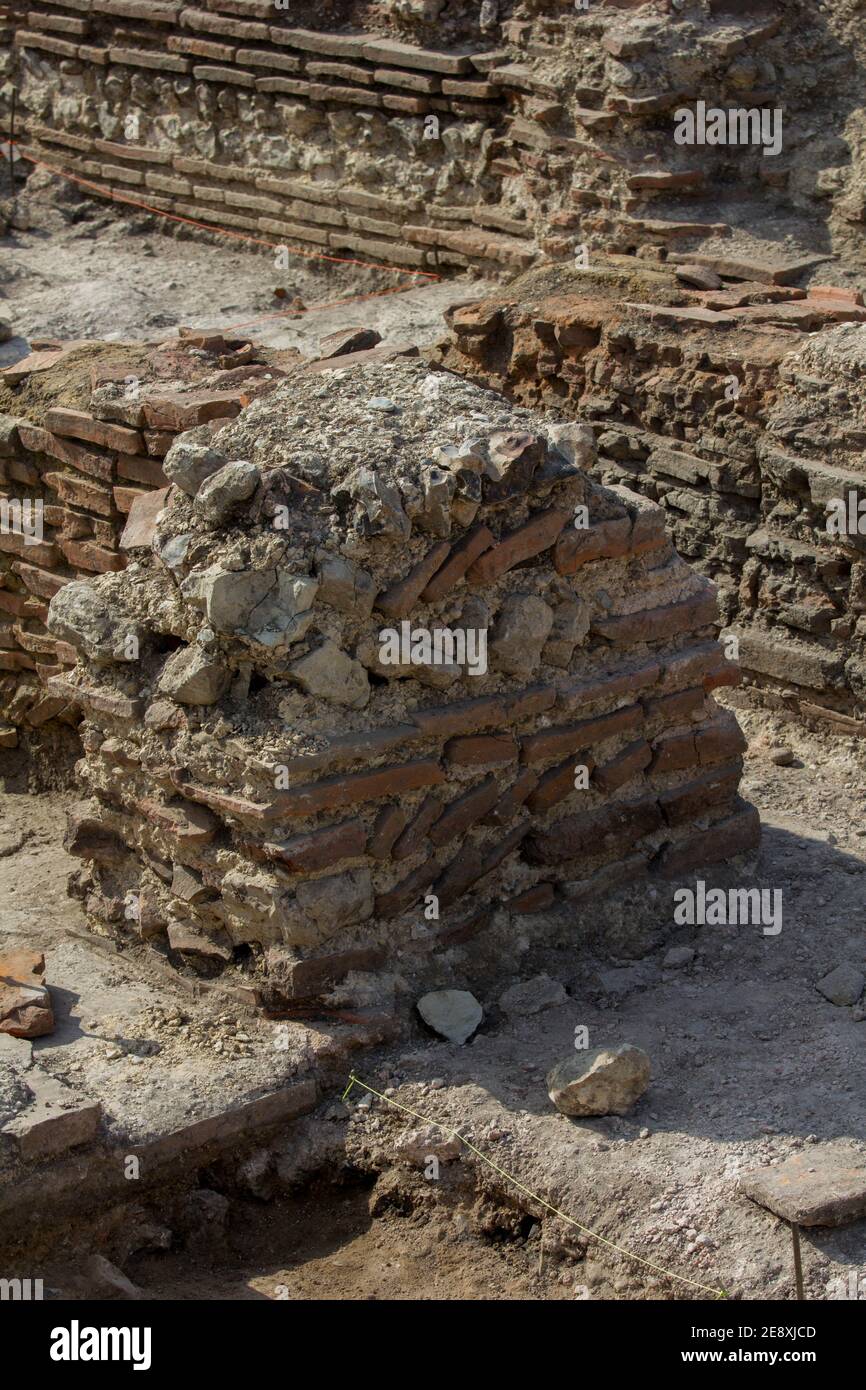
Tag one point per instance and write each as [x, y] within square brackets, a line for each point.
[258, 1223]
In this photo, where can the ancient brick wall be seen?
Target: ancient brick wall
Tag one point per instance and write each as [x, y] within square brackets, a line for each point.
[556, 125]
[293, 135]
[741, 411]
[69, 475]
[274, 790]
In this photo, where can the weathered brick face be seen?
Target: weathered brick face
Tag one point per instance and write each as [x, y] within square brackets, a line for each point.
[745, 428]
[279, 759]
[67, 486]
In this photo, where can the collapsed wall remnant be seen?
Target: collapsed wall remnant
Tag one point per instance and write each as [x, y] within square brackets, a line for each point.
[741, 411]
[385, 660]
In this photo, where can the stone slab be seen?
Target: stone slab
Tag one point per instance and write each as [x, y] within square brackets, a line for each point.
[819, 1187]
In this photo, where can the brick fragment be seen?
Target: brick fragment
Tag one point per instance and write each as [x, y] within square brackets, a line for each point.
[465, 811]
[409, 81]
[82, 426]
[412, 106]
[355, 787]
[464, 716]
[633, 759]
[183, 410]
[673, 752]
[674, 709]
[497, 850]
[315, 41]
[320, 849]
[535, 899]
[609, 686]
[185, 822]
[569, 738]
[606, 880]
[24, 38]
[407, 892]
[556, 785]
[123, 707]
[60, 24]
[509, 804]
[530, 539]
[460, 874]
[462, 556]
[228, 805]
[689, 666]
[38, 552]
[413, 837]
[340, 749]
[605, 540]
[126, 497]
[11, 603]
[407, 55]
[154, 11]
[734, 835]
[144, 58]
[722, 739]
[42, 441]
[21, 472]
[201, 48]
[140, 528]
[164, 183]
[606, 831]
[236, 77]
[81, 493]
[267, 58]
[464, 929]
[85, 556]
[388, 824]
[481, 750]
[525, 704]
[726, 673]
[694, 799]
[141, 470]
[655, 624]
[40, 582]
[16, 661]
[158, 442]
[307, 978]
[398, 600]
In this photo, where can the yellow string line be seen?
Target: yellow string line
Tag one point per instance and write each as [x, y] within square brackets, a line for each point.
[585, 1230]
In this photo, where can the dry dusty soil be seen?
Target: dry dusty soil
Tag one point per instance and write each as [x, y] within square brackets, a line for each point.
[74, 268]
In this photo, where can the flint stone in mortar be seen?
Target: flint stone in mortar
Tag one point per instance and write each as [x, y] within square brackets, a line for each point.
[191, 678]
[222, 491]
[191, 459]
[80, 614]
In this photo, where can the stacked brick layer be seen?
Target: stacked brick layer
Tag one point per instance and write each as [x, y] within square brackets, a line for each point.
[741, 411]
[557, 126]
[294, 819]
[85, 472]
[148, 59]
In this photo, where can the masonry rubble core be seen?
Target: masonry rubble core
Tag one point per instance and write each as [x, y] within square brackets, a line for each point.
[262, 795]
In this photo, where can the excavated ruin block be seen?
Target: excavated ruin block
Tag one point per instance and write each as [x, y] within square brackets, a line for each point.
[364, 702]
